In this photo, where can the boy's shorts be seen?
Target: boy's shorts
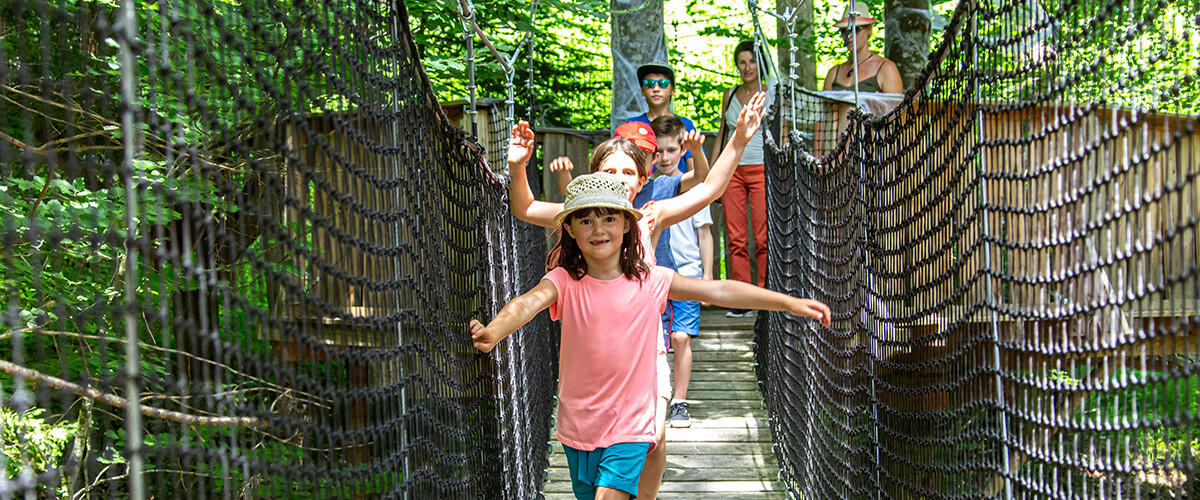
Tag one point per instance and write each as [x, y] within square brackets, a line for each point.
[685, 316]
[618, 467]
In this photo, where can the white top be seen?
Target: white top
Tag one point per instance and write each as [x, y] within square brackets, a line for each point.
[685, 244]
[753, 154]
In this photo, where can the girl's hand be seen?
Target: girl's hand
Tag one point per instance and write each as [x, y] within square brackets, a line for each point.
[693, 140]
[749, 119]
[809, 308]
[481, 338]
[520, 147]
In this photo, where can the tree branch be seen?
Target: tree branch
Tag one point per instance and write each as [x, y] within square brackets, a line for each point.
[117, 401]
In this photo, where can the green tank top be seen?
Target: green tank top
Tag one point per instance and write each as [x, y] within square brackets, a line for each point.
[869, 85]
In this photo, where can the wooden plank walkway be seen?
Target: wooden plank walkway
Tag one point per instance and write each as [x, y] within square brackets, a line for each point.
[726, 453]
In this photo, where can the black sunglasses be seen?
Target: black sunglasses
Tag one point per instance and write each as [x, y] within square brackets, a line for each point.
[847, 32]
[662, 83]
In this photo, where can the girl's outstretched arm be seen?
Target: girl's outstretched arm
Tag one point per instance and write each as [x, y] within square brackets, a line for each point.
[729, 293]
[675, 209]
[514, 315]
[520, 197]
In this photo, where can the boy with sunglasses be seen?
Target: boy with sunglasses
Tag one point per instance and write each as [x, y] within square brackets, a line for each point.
[657, 80]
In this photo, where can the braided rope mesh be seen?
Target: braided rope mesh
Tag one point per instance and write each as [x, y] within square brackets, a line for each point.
[239, 248]
[1011, 257]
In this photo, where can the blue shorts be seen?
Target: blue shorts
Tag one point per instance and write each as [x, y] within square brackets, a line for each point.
[685, 317]
[618, 467]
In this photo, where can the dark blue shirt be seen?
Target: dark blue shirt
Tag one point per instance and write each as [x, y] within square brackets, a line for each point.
[687, 125]
[660, 188]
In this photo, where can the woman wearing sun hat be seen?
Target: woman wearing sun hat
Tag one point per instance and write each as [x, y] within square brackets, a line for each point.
[875, 72]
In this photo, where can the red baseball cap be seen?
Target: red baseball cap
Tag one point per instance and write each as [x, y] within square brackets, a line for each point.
[640, 134]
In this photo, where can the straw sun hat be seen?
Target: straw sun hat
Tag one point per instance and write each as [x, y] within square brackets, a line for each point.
[600, 189]
[863, 19]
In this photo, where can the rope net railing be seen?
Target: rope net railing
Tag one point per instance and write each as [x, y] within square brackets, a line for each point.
[1011, 255]
[239, 247]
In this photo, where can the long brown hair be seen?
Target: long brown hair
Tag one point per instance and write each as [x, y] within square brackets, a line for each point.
[567, 255]
[620, 145]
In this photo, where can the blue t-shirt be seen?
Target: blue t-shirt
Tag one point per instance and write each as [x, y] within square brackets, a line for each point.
[687, 125]
[660, 188]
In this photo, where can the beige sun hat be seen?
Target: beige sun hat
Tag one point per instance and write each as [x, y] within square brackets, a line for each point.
[600, 189]
[863, 19]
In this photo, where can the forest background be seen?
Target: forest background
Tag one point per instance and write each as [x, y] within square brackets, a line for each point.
[571, 81]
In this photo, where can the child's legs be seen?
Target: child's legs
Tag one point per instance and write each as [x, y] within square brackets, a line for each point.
[656, 461]
[757, 188]
[733, 206]
[603, 493]
[686, 325]
[606, 472]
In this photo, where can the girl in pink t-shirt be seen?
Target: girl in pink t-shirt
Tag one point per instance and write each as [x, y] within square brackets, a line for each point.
[609, 301]
[629, 158]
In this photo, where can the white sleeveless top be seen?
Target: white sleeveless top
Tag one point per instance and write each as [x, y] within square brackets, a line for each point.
[753, 154]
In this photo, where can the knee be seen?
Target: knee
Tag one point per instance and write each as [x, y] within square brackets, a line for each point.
[680, 340]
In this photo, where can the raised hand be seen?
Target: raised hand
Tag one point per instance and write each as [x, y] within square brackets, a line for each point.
[520, 147]
[693, 140]
[809, 308]
[481, 338]
[750, 118]
[561, 164]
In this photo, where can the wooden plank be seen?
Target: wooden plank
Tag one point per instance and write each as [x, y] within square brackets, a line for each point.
[724, 377]
[705, 343]
[708, 461]
[714, 385]
[722, 356]
[554, 146]
[721, 395]
[693, 474]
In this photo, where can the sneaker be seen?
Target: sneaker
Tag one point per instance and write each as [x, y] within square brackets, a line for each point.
[734, 313]
[679, 415]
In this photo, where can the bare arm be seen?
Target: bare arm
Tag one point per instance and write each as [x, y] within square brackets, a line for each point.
[563, 167]
[514, 315]
[730, 293]
[830, 78]
[520, 197]
[705, 240]
[675, 209]
[889, 78]
[697, 165]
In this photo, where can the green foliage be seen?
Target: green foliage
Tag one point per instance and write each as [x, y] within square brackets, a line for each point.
[570, 84]
[29, 443]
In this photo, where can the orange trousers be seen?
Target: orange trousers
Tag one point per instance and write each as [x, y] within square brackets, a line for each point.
[747, 182]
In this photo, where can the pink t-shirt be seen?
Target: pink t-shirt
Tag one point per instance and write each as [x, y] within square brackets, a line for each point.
[645, 229]
[607, 357]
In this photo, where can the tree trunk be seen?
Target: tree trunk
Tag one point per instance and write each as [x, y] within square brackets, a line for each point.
[637, 38]
[807, 71]
[908, 31]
